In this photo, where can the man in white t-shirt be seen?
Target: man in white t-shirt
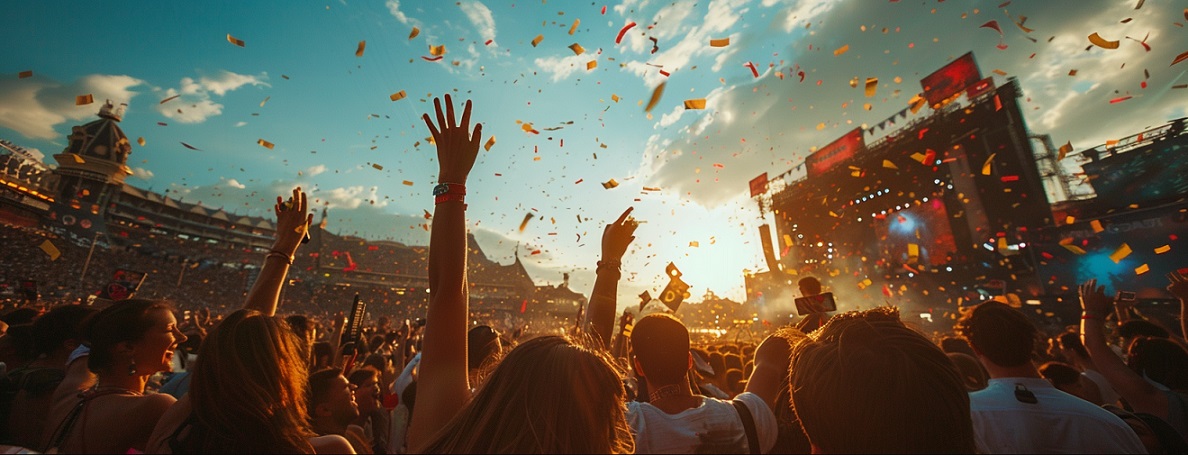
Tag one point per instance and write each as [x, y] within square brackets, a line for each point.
[1073, 350]
[1020, 412]
[675, 420]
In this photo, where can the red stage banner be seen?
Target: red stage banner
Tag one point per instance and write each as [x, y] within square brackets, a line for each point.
[835, 153]
[951, 79]
[759, 185]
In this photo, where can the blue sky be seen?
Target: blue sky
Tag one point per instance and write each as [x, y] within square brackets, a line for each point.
[331, 118]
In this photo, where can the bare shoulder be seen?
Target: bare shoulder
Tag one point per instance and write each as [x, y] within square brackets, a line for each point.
[173, 418]
[331, 444]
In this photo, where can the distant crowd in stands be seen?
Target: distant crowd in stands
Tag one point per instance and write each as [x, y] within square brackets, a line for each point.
[143, 375]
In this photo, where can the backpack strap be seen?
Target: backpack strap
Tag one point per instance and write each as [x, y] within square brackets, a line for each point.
[748, 422]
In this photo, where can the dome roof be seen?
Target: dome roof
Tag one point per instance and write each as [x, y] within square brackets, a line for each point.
[101, 139]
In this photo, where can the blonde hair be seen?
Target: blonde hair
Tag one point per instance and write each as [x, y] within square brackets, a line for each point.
[249, 388]
[548, 395]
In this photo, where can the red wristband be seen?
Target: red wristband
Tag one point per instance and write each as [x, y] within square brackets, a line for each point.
[1085, 316]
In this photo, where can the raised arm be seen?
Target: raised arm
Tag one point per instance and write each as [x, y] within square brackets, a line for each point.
[443, 386]
[772, 359]
[603, 299]
[1141, 395]
[292, 221]
[1179, 288]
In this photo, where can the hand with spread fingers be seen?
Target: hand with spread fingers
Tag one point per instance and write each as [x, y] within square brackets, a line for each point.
[1094, 301]
[618, 236]
[457, 146]
[292, 222]
[1178, 285]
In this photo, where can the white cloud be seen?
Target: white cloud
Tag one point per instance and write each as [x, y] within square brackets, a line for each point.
[34, 107]
[481, 17]
[194, 105]
[563, 67]
[315, 170]
[352, 197]
[234, 184]
[142, 173]
[240, 123]
[36, 153]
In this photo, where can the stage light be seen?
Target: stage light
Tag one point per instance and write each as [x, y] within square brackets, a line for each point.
[950, 186]
[911, 275]
[925, 199]
[859, 219]
[948, 269]
[936, 181]
[1022, 245]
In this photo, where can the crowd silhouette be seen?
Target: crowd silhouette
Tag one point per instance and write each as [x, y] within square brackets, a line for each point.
[243, 375]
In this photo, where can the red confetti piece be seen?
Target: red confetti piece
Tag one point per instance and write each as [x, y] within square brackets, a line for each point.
[432, 59]
[1010, 178]
[604, 9]
[1119, 100]
[993, 25]
[665, 73]
[488, 43]
[754, 71]
[1180, 58]
[719, 166]
[619, 39]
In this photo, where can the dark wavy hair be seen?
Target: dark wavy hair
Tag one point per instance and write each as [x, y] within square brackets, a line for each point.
[123, 321]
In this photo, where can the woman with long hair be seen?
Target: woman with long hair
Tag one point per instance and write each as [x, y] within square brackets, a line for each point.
[129, 341]
[247, 394]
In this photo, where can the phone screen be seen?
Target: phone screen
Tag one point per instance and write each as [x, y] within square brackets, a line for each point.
[1125, 295]
[821, 303]
[354, 327]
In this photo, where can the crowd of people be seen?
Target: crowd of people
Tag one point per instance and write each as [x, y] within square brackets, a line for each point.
[142, 375]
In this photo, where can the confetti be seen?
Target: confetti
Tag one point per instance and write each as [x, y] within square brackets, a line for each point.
[1163, 249]
[1180, 58]
[656, 94]
[993, 25]
[537, 40]
[265, 100]
[988, 165]
[614, 97]
[1064, 149]
[723, 42]
[377, 166]
[872, 85]
[397, 96]
[234, 40]
[432, 59]
[1073, 248]
[265, 144]
[190, 147]
[83, 100]
[610, 184]
[695, 104]
[1141, 269]
[140, 140]
[573, 28]
[591, 65]
[490, 143]
[889, 165]
[754, 70]
[841, 50]
[623, 31]
[1096, 226]
[360, 48]
[1120, 254]
[413, 34]
[25, 74]
[1120, 99]
[694, 244]
[1102, 42]
[410, 183]
[524, 224]
[577, 49]
[437, 51]
[51, 250]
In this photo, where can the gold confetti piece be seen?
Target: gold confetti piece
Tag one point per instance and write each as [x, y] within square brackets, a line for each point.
[1121, 253]
[82, 100]
[610, 184]
[140, 140]
[537, 40]
[1074, 249]
[407, 183]
[917, 102]
[1000, 72]
[524, 224]
[1064, 149]
[1141, 269]
[919, 157]
[437, 51]
[1096, 225]
[988, 166]
[1070, 219]
[397, 96]
[413, 34]
[234, 40]
[359, 50]
[872, 85]
[695, 104]
[694, 244]
[722, 42]
[377, 166]
[591, 65]
[51, 250]
[1102, 42]
[841, 50]
[490, 143]
[573, 28]
[1163, 249]
[78, 159]
[577, 49]
[614, 97]
[656, 94]
[25, 74]
[265, 100]
[889, 165]
[820, 126]
[265, 144]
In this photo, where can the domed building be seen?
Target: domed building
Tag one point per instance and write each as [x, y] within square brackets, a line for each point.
[91, 170]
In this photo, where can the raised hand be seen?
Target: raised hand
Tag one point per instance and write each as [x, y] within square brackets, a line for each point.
[1094, 301]
[1178, 285]
[457, 147]
[618, 236]
[292, 222]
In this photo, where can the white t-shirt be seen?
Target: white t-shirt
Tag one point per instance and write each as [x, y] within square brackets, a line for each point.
[712, 427]
[1056, 423]
[1108, 394]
